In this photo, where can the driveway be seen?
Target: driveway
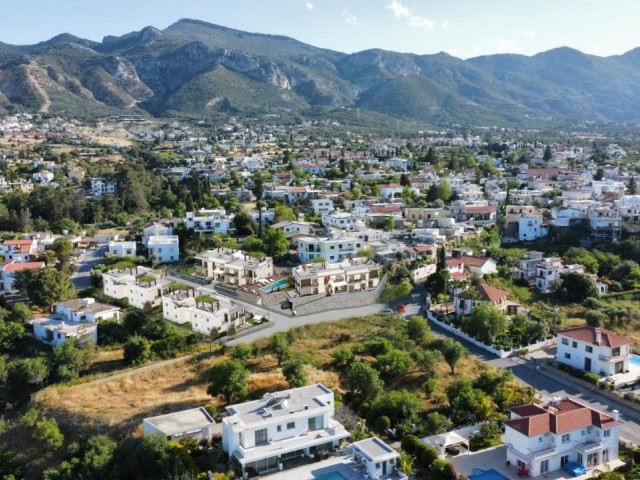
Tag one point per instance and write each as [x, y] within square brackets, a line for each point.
[81, 278]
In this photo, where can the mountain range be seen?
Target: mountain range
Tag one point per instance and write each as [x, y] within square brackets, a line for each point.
[198, 69]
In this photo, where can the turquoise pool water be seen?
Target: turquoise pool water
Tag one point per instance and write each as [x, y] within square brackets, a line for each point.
[491, 474]
[635, 359]
[274, 286]
[331, 476]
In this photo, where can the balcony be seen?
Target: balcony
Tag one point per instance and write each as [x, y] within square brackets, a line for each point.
[545, 452]
[588, 447]
[611, 358]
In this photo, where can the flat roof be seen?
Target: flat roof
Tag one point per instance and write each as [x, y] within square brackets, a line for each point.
[177, 422]
[374, 448]
[280, 404]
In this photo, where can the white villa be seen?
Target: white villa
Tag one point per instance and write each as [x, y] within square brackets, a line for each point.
[330, 249]
[210, 221]
[122, 249]
[164, 248]
[139, 285]
[232, 266]
[350, 276]
[261, 434]
[594, 350]
[544, 438]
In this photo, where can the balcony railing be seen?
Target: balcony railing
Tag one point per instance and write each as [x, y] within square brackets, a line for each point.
[545, 452]
[608, 358]
[587, 447]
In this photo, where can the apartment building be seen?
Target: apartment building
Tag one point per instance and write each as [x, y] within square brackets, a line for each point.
[321, 206]
[153, 229]
[232, 266]
[139, 285]
[293, 423]
[549, 270]
[330, 249]
[528, 264]
[349, 276]
[210, 221]
[561, 433]
[101, 186]
[164, 248]
[594, 350]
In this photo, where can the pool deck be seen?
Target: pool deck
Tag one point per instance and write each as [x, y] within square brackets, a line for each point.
[342, 465]
[496, 458]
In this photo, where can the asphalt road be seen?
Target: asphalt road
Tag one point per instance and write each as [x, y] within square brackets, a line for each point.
[81, 278]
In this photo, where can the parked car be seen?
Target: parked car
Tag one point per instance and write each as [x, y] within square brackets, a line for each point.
[285, 305]
[386, 311]
[401, 308]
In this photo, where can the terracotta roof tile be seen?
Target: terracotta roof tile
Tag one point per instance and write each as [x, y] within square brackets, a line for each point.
[588, 334]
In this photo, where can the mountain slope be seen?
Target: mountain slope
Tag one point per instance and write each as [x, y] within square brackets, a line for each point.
[197, 68]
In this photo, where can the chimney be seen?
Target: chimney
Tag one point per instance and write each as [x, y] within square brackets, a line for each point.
[598, 337]
[616, 415]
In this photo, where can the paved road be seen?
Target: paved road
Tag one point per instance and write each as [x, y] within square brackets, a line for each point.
[81, 278]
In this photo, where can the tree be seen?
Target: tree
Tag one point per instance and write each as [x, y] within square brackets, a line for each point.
[452, 352]
[576, 287]
[258, 191]
[428, 360]
[548, 154]
[31, 371]
[21, 312]
[275, 242]
[45, 287]
[485, 323]
[243, 224]
[11, 333]
[98, 455]
[48, 434]
[599, 175]
[229, 379]
[294, 372]
[389, 223]
[364, 381]
[404, 180]
[632, 186]
[279, 348]
[436, 423]
[418, 328]
[394, 363]
[70, 358]
[63, 250]
[136, 350]
[241, 352]
[283, 213]
[398, 405]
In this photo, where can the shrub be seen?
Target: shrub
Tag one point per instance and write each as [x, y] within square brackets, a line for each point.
[427, 456]
[383, 423]
[410, 444]
[592, 378]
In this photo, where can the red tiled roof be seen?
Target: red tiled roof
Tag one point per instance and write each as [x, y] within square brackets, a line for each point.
[17, 266]
[297, 190]
[385, 209]
[472, 261]
[488, 293]
[18, 242]
[588, 334]
[561, 417]
[480, 210]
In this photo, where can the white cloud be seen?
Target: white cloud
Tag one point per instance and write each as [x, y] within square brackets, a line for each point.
[349, 17]
[445, 26]
[530, 33]
[421, 22]
[309, 5]
[399, 10]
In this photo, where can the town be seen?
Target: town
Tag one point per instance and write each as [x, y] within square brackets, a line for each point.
[256, 298]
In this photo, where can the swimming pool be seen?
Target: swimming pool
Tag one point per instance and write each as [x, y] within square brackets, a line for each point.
[274, 286]
[491, 474]
[330, 476]
[635, 359]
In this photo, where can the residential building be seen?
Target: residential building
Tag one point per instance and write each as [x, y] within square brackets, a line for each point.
[378, 458]
[349, 276]
[321, 206]
[293, 423]
[292, 227]
[196, 423]
[605, 223]
[343, 220]
[232, 266]
[19, 250]
[9, 269]
[210, 221]
[122, 249]
[476, 265]
[102, 186]
[531, 228]
[549, 270]
[391, 190]
[55, 330]
[268, 216]
[164, 248]
[541, 439]
[154, 229]
[466, 300]
[87, 310]
[594, 350]
[628, 207]
[331, 249]
[139, 285]
[528, 264]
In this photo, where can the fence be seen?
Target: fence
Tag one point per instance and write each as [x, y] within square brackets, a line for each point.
[189, 278]
[245, 331]
[498, 353]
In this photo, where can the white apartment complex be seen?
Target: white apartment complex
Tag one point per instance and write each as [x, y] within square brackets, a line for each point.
[261, 434]
[594, 350]
[329, 249]
[232, 266]
[349, 276]
[139, 285]
[210, 221]
[544, 438]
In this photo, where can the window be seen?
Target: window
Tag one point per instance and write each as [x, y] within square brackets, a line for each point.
[606, 434]
[574, 344]
[291, 425]
[589, 349]
[279, 428]
[582, 432]
[565, 341]
[261, 436]
[566, 437]
[567, 355]
[539, 439]
[564, 460]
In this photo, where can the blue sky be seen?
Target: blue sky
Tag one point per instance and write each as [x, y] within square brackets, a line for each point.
[464, 28]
